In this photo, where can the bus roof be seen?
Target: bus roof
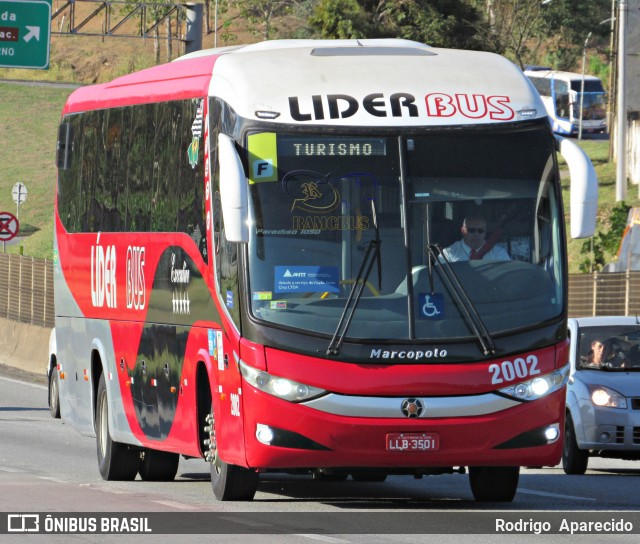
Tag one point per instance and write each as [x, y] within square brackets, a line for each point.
[173, 81]
[355, 82]
[559, 74]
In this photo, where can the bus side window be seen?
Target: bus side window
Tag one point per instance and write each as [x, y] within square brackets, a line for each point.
[561, 89]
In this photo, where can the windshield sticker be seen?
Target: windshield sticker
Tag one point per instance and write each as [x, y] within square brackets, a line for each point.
[196, 131]
[317, 197]
[306, 279]
[262, 295]
[263, 157]
[311, 191]
[212, 343]
[431, 305]
[278, 305]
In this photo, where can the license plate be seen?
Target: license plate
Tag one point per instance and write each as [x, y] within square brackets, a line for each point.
[413, 442]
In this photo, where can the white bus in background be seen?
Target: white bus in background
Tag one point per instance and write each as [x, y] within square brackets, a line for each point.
[560, 92]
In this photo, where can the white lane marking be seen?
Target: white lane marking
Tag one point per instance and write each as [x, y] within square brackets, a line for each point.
[555, 495]
[52, 479]
[37, 386]
[11, 469]
[178, 505]
[322, 538]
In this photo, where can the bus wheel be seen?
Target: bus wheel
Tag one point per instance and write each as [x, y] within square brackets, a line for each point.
[116, 461]
[54, 393]
[229, 482]
[494, 484]
[158, 466]
[574, 460]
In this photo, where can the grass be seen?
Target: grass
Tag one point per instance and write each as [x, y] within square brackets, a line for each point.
[598, 151]
[29, 119]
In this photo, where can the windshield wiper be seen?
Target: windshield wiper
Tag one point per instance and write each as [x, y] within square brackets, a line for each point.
[371, 255]
[458, 292]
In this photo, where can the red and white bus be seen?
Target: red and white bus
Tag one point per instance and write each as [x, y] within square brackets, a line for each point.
[249, 269]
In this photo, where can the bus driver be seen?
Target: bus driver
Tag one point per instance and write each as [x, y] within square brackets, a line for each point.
[473, 244]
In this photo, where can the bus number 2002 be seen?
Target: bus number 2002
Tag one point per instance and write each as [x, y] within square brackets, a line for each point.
[510, 370]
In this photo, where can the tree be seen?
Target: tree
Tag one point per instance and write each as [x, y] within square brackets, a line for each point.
[526, 30]
[341, 19]
[441, 23]
[606, 241]
[263, 12]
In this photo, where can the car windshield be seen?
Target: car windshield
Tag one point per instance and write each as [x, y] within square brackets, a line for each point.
[330, 211]
[615, 347]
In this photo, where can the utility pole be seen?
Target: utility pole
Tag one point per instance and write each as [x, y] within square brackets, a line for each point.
[621, 122]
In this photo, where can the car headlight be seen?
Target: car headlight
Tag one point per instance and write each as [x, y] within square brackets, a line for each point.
[539, 386]
[605, 396]
[277, 386]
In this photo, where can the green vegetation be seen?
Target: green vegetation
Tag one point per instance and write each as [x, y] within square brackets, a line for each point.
[609, 228]
[30, 116]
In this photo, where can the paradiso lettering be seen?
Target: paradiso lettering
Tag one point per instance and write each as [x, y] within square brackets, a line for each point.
[342, 106]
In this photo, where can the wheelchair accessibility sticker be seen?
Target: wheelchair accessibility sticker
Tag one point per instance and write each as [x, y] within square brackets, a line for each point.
[431, 305]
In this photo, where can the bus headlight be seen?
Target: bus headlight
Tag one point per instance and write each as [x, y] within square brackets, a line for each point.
[277, 386]
[605, 396]
[539, 386]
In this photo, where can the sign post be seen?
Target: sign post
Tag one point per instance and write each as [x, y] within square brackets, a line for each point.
[9, 228]
[25, 33]
[19, 193]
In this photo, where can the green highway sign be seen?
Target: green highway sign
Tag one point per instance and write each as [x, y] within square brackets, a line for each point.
[25, 31]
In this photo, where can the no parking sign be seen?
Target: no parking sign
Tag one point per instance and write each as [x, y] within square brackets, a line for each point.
[9, 226]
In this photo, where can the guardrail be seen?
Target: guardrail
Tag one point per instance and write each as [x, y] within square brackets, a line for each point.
[26, 291]
[604, 293]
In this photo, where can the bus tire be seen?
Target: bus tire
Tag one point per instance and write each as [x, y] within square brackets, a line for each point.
[494, 484]
[233, 483]
[116, 461]
[574, 460]
[158, 466]
[54, 393]
[229, 482]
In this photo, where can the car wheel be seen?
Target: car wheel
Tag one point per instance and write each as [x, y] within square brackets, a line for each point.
[574, 460]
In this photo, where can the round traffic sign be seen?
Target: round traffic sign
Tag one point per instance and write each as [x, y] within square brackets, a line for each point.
[9, 226]
[19, 193]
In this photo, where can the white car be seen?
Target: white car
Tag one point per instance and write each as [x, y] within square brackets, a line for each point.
[603, 394]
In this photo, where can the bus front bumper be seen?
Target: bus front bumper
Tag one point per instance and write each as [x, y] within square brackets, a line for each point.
[280, 434]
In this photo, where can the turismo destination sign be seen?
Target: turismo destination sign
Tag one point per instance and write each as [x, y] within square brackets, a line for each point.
[25, 27]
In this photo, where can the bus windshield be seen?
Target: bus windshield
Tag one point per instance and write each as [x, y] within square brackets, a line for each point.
[593, 106]
[332, 211]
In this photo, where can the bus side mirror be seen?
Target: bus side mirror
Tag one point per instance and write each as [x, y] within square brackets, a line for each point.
[233, 191]
[583, 189]
[63, 147]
